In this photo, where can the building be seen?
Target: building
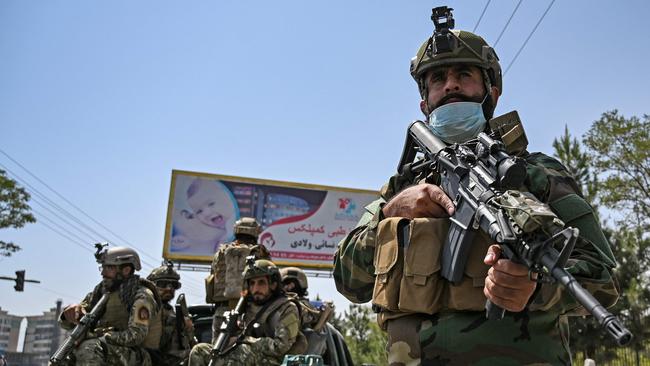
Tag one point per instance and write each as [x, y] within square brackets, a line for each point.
[43, 335]
[9, 331]
[22, 359]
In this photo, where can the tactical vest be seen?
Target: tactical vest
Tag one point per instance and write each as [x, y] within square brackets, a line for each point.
[116, 316]
[264, 328]
[168, 318]
[408, 276]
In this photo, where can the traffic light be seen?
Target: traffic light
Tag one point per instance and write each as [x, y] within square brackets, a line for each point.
[20, 281]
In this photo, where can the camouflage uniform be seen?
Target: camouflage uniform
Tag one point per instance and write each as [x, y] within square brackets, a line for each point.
[174, 347]
[227, 304]
[223, 283]
[538, 335]
[263, 345]
[309, 317]
[129, 326]
[171, 351]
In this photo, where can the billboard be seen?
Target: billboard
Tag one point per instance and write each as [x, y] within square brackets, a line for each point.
[302, 223]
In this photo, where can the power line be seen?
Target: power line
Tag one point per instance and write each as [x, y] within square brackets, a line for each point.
[481, 17]
[43, 288]
[67, 237]
[528, 38]
[507, 24]
[36, 193]
[40, 215]
[88, 238]
[75, 206]
[41, 196]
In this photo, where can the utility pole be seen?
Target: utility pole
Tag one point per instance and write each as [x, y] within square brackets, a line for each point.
[20, 280]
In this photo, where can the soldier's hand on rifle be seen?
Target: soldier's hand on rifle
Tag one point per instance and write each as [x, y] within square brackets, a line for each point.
[73, 313]
[507, 283]
[422, 200]
[189, 326]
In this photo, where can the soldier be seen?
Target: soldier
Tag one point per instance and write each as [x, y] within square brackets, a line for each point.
[459, 78]
[223, 285]
[130, 324]
[271, 324]
[294, 281]
[177, 336]
[313, 319]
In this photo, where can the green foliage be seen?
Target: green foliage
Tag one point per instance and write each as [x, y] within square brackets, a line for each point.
[366, 341]
[569, 152]
[14, 210]
[620, 151]
[614, 170]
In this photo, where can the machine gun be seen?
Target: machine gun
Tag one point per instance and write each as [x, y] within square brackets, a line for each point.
[229, 326]
[79, 332]
[482, 179]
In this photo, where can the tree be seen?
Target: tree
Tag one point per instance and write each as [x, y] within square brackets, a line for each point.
[363, 336]
[569, 151]
[14, 210]
[586, 335]
[620, 151]
[617, 149]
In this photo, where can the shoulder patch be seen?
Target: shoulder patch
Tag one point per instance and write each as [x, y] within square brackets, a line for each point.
[142, 313]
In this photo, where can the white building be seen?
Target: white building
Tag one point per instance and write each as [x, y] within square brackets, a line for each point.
[9, 331]
[43, 334]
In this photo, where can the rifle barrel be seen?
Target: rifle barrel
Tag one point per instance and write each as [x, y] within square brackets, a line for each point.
[79, 330]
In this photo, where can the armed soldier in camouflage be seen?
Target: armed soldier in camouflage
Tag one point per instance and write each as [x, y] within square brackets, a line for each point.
[294, 281]
[271, 324]
[177, 335]
[312, 319]
[130, 326]
[459, 78]
[223, 285]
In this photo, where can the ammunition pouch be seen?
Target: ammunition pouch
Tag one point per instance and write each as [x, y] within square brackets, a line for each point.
[407, 268]
[468, 294]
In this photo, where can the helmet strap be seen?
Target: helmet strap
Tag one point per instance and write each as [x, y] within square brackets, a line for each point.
[488, 104]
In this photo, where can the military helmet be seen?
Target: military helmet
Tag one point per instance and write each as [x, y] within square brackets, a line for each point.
[164, 272]
[447, 47]
[295, 273]
[118, 256]
[247, 226]
[260, 268]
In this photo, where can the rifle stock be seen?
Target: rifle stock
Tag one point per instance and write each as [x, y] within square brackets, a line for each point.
[482, 179]
[79, 331]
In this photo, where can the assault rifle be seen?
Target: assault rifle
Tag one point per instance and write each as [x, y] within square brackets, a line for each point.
[483, 180]
[229, 326]
[79, 332]
[181, 314]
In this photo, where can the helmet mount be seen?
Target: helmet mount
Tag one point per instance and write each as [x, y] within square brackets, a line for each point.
[443, 20]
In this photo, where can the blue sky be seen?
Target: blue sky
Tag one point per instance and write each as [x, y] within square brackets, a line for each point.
[101, 100]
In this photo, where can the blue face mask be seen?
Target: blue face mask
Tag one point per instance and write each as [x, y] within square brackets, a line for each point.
[457, 122]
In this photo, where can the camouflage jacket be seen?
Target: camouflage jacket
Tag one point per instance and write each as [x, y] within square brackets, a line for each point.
[170, 348]
[278, 329]
[544, 321]
[131, 318]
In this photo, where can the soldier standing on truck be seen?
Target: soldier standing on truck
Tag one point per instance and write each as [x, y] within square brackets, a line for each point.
[223, 284]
